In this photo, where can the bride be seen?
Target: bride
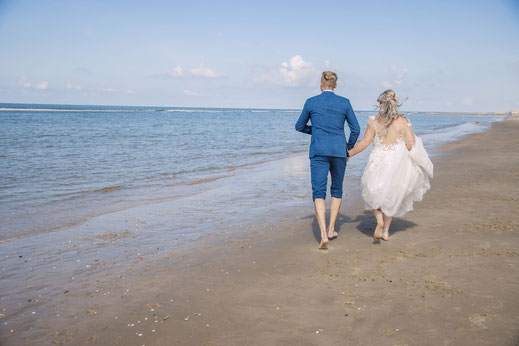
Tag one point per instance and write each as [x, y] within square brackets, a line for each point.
[398, 169]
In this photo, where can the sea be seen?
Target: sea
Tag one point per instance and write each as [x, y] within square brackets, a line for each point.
[62, 165]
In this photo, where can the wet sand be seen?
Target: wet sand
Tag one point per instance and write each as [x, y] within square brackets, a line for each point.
[448, 275]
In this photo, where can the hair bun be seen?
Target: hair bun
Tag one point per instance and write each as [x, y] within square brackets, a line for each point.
[328, 75]
[329, 79]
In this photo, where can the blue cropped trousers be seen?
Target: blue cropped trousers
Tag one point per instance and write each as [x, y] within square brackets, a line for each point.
[319, 168]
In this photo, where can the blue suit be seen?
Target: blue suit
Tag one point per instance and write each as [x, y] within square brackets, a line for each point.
[328, 113]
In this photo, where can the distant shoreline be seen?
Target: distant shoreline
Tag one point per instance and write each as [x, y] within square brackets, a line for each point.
[8, 107]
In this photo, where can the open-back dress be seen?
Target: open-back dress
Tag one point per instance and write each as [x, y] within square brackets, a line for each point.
[395, 177]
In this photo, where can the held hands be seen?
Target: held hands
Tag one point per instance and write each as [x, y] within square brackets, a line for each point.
[352, 152]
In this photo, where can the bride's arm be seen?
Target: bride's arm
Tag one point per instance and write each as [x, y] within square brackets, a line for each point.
[363, 144]
[409, 136]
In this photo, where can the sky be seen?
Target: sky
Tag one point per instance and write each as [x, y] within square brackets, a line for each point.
[443, 55]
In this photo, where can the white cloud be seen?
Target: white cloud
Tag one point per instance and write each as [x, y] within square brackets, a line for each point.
[24, 82]
[400, 76]
[294, 72]
[176, 72]
[188, 92]
[42, 86]
[396, 76]
[206, 72]
[120, 91]
[72, 86]
[467, 101]
[200, 71]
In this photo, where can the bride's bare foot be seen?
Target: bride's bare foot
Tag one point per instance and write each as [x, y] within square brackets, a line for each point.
[332, 234]
[378, 231]
[324, 244]
[385, 235]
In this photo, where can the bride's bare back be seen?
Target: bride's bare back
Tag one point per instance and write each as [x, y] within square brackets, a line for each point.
[400, 130]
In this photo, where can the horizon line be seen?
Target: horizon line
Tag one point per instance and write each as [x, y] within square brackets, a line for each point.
[244, 108]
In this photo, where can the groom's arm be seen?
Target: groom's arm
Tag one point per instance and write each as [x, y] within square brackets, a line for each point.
[354, 126]
[303, 120]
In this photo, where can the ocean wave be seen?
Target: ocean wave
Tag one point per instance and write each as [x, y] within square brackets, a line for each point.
[206, 180]
[230, 111]
[194, 111]
[275, 111]
[452, 133]
[83, 192]
[72, 110]
[109, 188]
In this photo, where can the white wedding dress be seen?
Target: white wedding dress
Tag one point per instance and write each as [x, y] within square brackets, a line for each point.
[395, 177]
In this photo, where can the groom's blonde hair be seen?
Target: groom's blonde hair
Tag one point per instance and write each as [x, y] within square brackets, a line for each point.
[329, 79]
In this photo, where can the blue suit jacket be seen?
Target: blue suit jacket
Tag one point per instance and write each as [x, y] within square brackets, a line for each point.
[328, 112]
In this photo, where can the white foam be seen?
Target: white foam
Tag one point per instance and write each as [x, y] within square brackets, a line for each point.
[67, 110]
[452, 133]
[181, 110]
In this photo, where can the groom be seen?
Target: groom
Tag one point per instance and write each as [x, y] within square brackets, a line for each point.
[328, 148]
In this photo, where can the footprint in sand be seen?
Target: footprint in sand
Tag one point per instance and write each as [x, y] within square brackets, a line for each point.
[479, 320]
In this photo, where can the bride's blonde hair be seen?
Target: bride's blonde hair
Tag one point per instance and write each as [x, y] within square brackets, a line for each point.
[388, 108]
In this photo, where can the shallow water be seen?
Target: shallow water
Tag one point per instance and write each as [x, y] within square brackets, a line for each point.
[62, 164]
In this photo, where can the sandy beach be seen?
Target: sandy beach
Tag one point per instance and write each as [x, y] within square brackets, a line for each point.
[448, 275]
[473, 114]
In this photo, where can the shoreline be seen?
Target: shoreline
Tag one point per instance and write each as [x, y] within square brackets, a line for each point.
[266, 283]
[59, 215]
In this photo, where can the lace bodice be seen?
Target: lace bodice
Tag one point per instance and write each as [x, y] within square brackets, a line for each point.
[390, 139]
[378, 142]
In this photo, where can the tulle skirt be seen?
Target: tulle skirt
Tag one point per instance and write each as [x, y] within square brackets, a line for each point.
[395, 178]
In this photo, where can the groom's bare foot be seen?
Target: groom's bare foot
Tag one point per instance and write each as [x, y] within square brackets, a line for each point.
[324, 244]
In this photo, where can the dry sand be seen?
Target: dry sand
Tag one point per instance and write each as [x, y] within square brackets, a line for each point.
[448, 275]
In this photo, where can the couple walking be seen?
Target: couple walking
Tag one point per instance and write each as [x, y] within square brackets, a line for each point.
[398, 169]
